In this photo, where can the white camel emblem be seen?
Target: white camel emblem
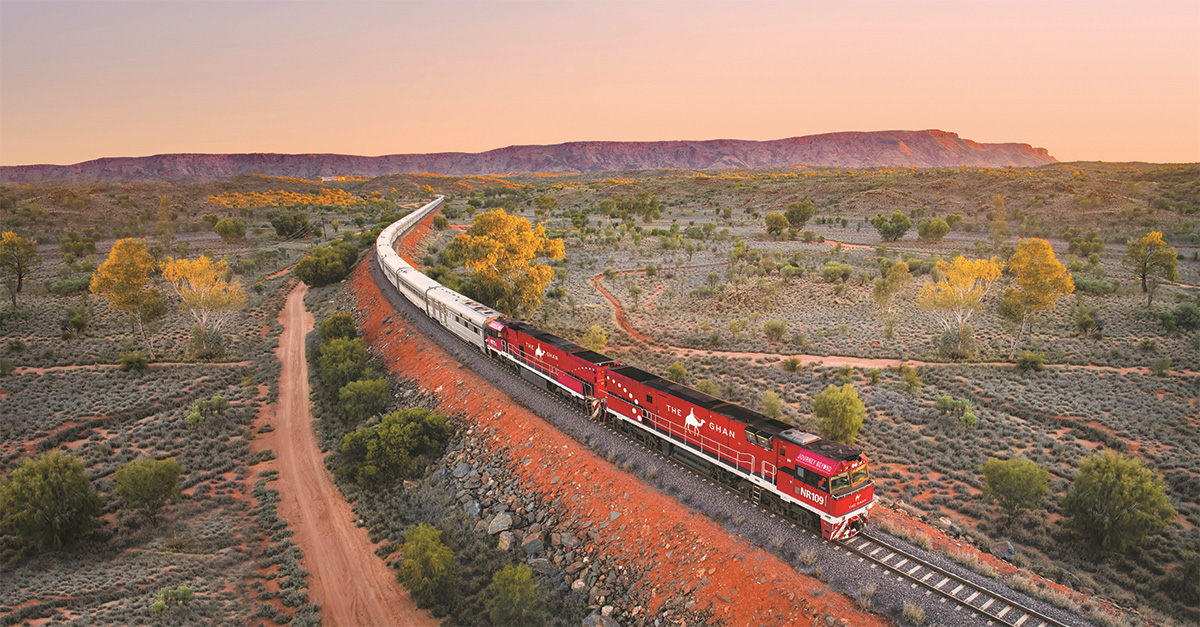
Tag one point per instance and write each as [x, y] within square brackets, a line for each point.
[538, 352]
[692, 423]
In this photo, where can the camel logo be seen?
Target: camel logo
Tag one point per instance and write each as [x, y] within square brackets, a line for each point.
[691, 423]
[538, 352]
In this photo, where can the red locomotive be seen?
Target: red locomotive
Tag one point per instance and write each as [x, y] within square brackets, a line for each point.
[821, 483]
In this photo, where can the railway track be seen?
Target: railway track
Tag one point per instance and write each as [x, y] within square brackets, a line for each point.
[989, 607]
[987, 604]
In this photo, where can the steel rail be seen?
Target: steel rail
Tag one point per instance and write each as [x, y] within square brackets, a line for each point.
[1004, 610]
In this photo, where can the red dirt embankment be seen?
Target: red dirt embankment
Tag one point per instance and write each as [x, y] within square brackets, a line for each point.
[673, 545]
[353, 586]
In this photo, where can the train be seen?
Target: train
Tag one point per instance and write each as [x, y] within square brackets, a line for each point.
[822, 484]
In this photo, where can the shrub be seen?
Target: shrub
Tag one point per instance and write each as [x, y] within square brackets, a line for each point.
[913, 614]
[1098, 287]
[48, 501]
[676, 372]
[772, 404]
[205, 344]
[440, 222]
[133, 360]
[1161, 367]
[891, 228]
[341, 361]
[1014, 484]
[1030, 361]
[327, 264]
[792, 364]
[399, 448]
[912, 380]
[363, 399]
[148, 484]
[66, 287]
[230, 229]
[775, 329]
[429, 569]
[595, 339]
[708, 387]
[841, 412]
[6, 367]
[287, 225]
[834, 271]
[338, 326]
[1116, 502]
[514, 598]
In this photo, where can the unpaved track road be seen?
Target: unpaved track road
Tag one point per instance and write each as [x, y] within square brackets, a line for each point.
[353, 586]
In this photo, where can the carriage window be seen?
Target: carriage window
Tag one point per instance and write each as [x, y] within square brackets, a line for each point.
[649, 399]
[764, 441]
[750, 436]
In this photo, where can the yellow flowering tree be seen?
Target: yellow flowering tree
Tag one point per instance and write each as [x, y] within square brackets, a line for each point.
[502, 251]
[1041, 280]
[123, 280]
[206, 293]
[958, 294]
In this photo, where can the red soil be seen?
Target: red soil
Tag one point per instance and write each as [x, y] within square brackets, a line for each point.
[674, 546]
[353, 586]
[622, 321]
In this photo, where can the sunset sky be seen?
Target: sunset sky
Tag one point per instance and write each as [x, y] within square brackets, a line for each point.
[1087, 80]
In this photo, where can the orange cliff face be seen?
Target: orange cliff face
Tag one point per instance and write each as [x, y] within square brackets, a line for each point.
[928, 148]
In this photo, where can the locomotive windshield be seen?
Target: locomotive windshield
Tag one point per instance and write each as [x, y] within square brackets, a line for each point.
[848, 481]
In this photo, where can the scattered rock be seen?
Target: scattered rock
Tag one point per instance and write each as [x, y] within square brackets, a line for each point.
[502, 522]
[506, 541]
[533, 544]
[596, 619]
[1004, 550]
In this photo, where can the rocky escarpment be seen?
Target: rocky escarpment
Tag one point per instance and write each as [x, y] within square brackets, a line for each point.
[929, 148]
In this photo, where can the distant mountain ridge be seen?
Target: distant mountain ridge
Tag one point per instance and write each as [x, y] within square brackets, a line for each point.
[929, 148]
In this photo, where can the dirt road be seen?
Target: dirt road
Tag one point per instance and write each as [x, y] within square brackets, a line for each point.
[353, 586]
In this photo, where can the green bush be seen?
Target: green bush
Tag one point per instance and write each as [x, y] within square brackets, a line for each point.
[1015, 484]
[514, 599]
[230, 229]
[66, 287]
[398, 448]
[6, 367]
[133, 360]
[327, 264]
[287, 225]
[841, 412]
[363, 399]
[429, 570]
[1161, 367]
[48, 501]
[1098, 287]
[775, 329]
[341, 361]
[1030, 361]
[1116, 502]
[338, 326]
[834, 271]
[148, 484]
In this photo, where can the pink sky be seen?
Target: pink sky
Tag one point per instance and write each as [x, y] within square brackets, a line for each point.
[1087, 80]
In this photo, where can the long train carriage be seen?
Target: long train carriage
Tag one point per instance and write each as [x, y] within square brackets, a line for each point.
[816, 481]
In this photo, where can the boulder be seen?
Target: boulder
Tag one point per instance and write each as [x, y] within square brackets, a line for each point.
[506, 541]
[502, 522]
[1004, 550]
[533, 544]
